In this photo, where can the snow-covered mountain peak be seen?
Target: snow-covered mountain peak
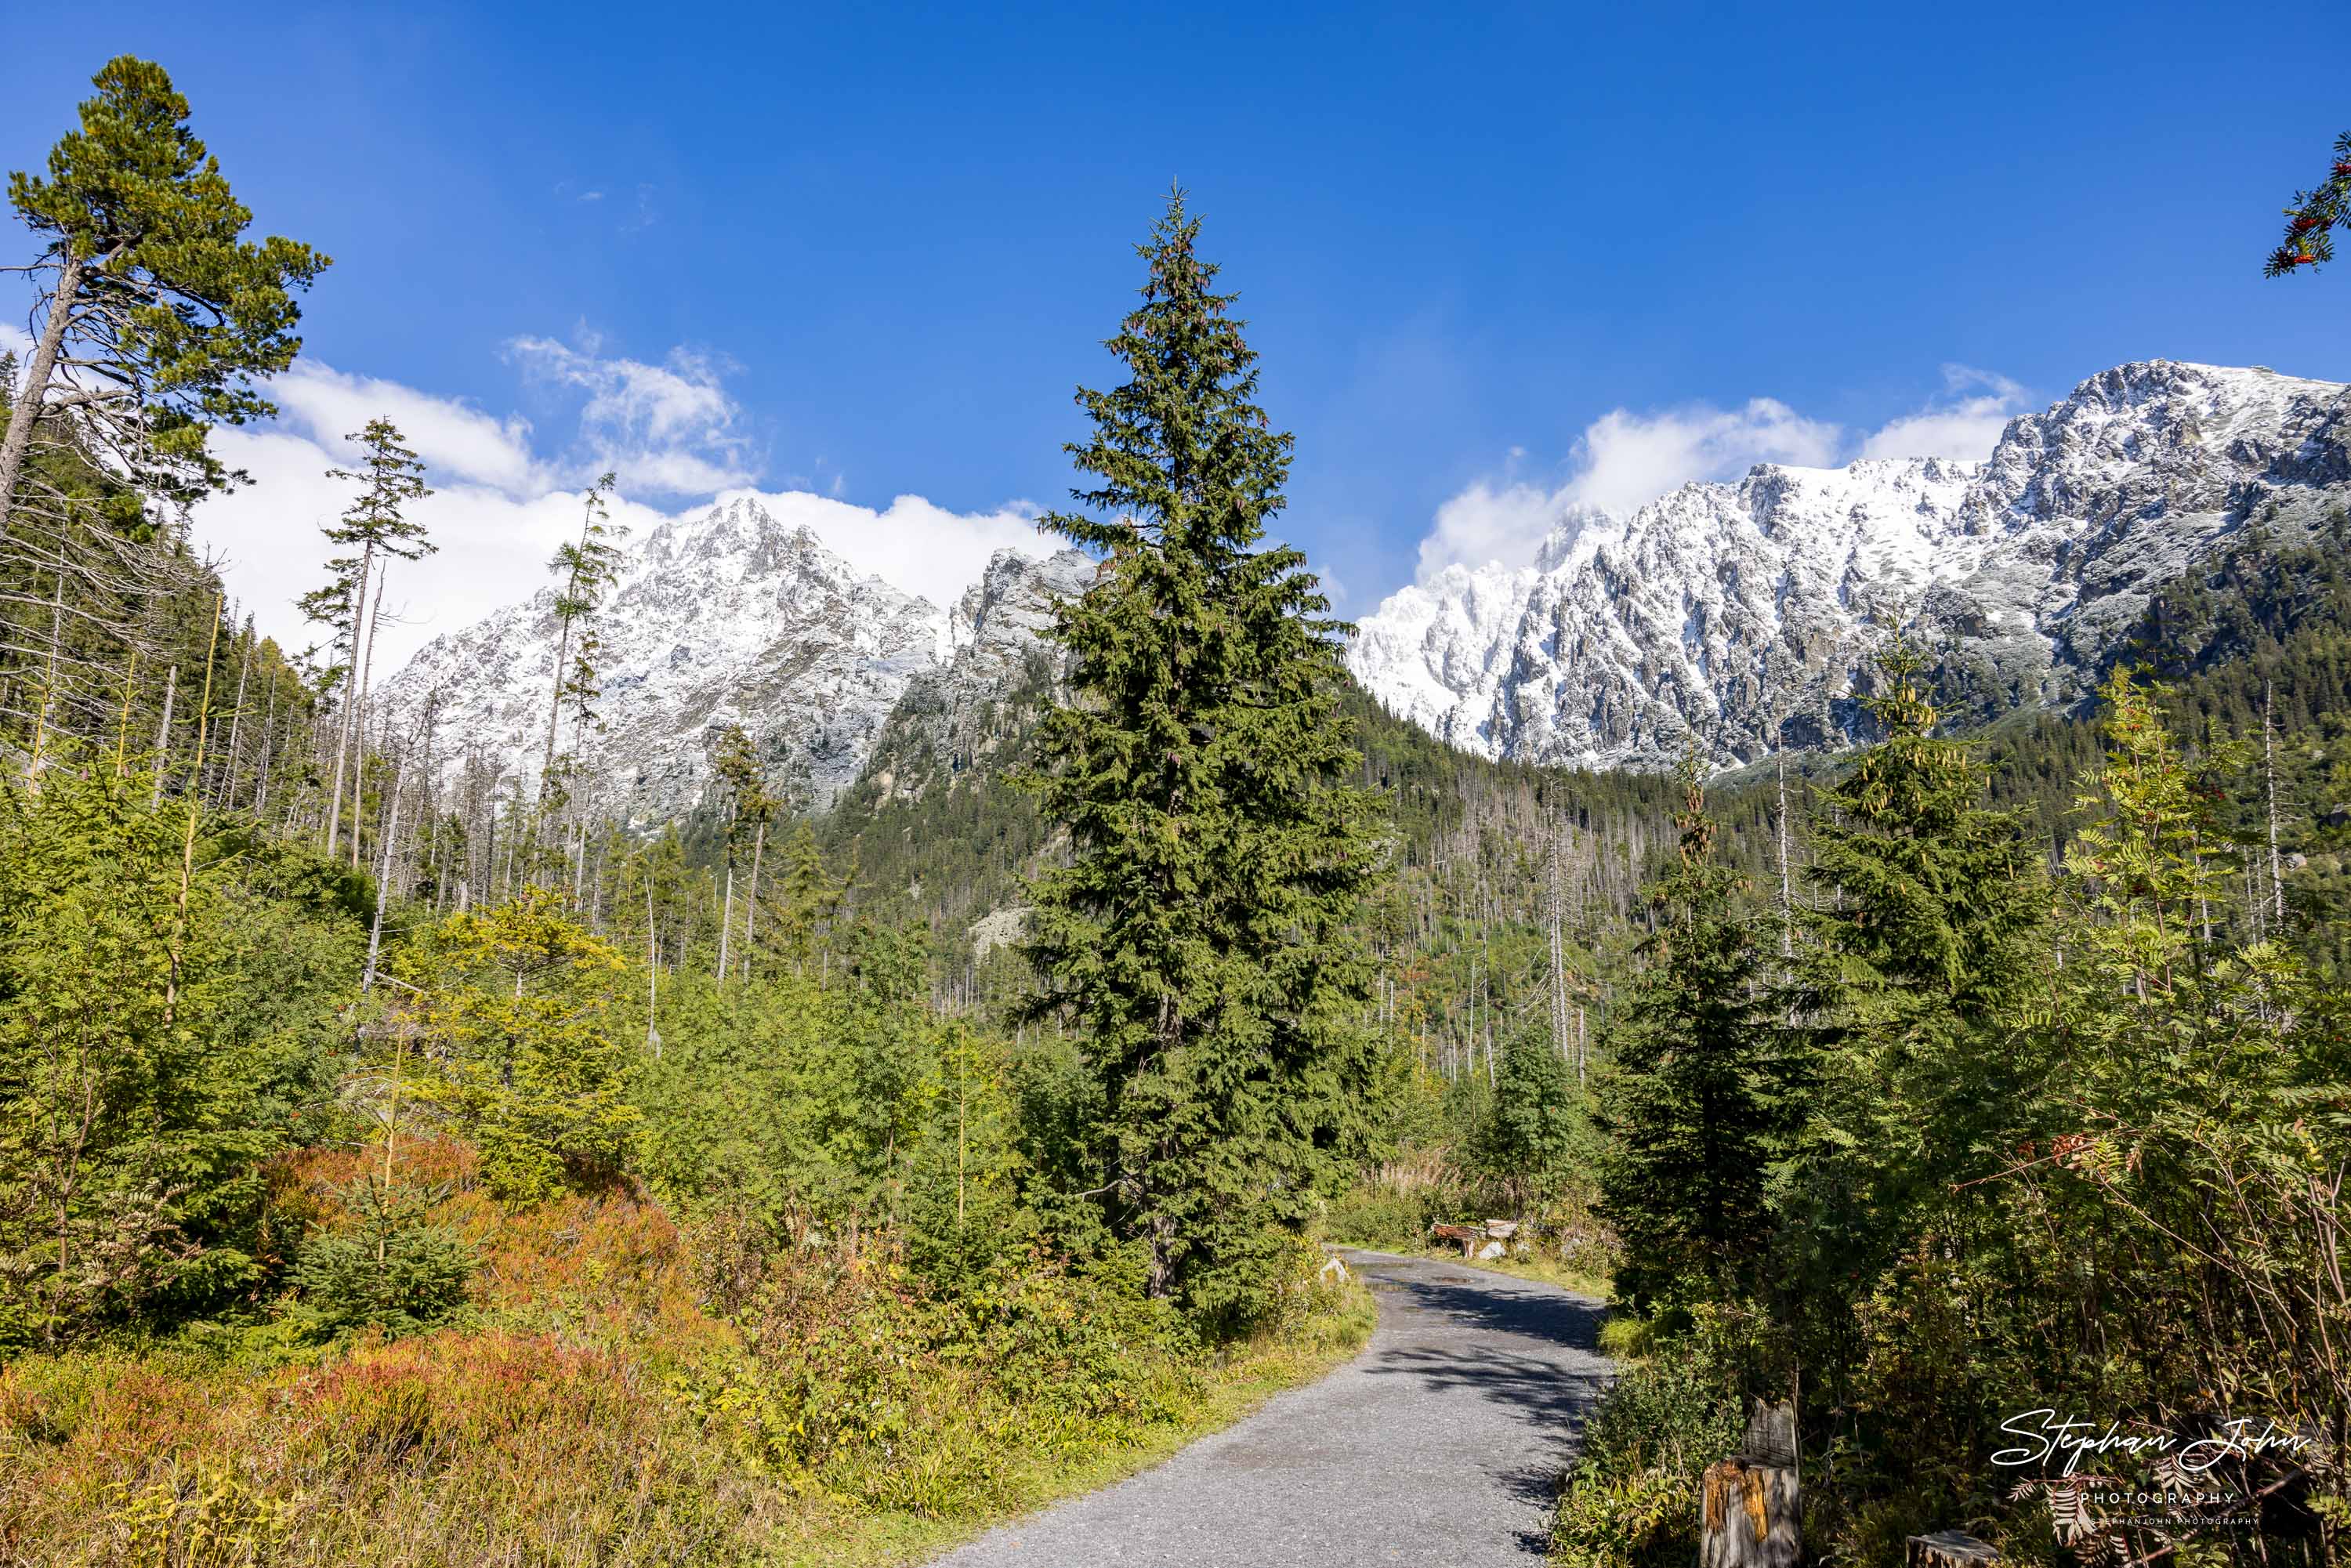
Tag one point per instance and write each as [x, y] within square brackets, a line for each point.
[1739, 611]
[1013, 600]
[723, 616]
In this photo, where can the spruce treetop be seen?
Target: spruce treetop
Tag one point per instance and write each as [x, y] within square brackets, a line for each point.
[1185, 458]
[390, 476]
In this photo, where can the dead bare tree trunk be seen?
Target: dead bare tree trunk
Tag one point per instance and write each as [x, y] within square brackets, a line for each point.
[163, 738]
[1555, 897]
[236, 716]
[29, 404]
[49, 681]
[2269, 772]
[193, 802]
[350, 705]
[359, 722]
[751, 913]
[383, 882]
[1787, 904]
[726, 921]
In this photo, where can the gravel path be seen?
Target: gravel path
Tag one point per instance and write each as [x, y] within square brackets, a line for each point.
[1441, 1444]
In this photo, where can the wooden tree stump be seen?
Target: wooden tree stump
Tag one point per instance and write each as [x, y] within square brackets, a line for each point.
[1770, 1435]
[1949, 1549]
[1748, 1507]
[1747, 1517]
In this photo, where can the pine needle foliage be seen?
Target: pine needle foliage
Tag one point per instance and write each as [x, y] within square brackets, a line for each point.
[1200, 935]
[1926, 943]
[159, 314]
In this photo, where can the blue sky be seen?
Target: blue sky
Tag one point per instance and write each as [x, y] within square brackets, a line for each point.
[867, 251]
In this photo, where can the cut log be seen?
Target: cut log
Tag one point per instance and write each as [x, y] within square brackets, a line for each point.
[1748, 1517]
[1949, 1549]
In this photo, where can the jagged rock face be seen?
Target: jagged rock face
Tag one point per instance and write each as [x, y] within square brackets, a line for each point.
[955, 721]
[723, 617]
[1737, 615]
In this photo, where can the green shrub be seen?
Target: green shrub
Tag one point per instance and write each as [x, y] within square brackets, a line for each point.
[392, 1269]
[1631, 1498]
[1378, 1217]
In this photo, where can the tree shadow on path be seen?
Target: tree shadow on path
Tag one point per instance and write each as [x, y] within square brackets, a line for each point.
[1531, 1349]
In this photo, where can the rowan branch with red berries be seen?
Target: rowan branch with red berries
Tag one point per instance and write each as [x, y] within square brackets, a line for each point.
[2310, 223]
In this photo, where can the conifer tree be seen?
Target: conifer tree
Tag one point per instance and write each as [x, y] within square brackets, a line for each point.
[390, 477]
[156, 313]
[1536, 1128]
[811, 896]
[586, 569]
[2314, 215]
[750, 802]
[1695, 1101]
[1924, 946]
[1200, 935]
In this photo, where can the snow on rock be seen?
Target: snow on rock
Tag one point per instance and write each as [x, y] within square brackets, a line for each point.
[721, 617]
[959, 716]
[1736, 614]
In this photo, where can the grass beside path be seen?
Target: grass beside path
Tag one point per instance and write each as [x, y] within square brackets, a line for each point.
[596, 1405]
[1243, 1380]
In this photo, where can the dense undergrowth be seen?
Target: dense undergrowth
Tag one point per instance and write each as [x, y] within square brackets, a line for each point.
[614, 1389]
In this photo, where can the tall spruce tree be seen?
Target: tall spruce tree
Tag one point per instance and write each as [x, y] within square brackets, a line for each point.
[1924, 943]
[1200, 935]
[1696, 1100]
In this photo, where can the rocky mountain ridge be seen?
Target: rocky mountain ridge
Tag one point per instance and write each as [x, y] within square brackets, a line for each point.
[1736, 615]
[725, 616]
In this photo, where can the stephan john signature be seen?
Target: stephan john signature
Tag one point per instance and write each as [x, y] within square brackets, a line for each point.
[2074, 1438]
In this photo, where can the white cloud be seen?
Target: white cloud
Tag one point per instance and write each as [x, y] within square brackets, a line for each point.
[494, 543]
[1626, 459]
[455, 440]
[1489, 522]
[1622, 460]
[1962, 426]
[668, 428]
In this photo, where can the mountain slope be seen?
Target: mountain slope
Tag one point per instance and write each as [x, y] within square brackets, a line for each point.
[1736, 615]
[725, 617]
[719, 618]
